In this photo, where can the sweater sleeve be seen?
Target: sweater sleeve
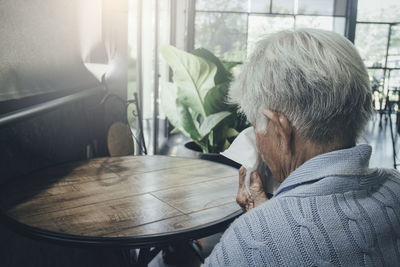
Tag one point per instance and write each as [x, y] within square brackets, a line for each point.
[228, 251]
[247, 242]
[240, 245]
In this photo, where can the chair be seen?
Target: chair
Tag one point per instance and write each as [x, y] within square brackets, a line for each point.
[120, 140]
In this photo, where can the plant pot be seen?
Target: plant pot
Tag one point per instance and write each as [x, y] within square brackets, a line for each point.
[196, 152]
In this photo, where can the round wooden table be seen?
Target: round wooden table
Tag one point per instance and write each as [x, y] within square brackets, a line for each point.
[133, 201]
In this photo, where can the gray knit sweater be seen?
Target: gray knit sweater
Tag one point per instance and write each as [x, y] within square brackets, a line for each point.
[331, 211]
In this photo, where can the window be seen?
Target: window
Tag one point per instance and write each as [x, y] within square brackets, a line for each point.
[148, 29]
[231, 28]
[378, 41]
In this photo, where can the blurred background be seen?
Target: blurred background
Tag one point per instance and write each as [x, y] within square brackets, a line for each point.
[229, 29]
[52, 49]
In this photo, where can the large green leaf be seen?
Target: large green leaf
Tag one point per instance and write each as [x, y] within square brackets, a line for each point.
[222, 74]
[229, 65]
[211, 121]
[231, 132]
[226, 145]
[168, 94]
[175, 131]
[193, 75]
[187, 123]
[178, 114]
[211, 138]
[223, 130]
[216, 99]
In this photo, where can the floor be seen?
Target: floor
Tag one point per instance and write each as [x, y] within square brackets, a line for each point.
[377, 135]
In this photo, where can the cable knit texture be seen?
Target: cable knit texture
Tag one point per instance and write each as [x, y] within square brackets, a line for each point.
[331, 211]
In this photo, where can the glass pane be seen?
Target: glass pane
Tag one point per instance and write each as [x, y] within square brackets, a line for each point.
[148, 41]
[386, 83]
[393, 61]
[164, 39]
[316, 7]
[262, 6]
[323, 23]
[371, 41]
[393, 86]
[394, 48]
[223, 34]
[222, 5]
[148, 71]
[394, 80]
[376, 79]
[335, 24]
[132, 41]
[283, 6]
[339, 25]
[380, 11]
[262, 25]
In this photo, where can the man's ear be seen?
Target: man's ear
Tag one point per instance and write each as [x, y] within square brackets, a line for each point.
[282, 124]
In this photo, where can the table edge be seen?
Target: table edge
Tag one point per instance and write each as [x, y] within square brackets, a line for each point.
[152, 240]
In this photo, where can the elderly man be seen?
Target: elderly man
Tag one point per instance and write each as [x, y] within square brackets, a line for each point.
[308, 97]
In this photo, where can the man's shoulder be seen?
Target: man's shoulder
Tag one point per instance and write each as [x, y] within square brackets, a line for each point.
[264, 235]
[383, 178]
[266, 220]
[390, 173]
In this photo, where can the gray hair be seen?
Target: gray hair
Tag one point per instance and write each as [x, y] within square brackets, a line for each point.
[315, 78]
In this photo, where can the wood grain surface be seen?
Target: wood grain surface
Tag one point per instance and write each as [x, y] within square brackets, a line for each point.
[123, 196]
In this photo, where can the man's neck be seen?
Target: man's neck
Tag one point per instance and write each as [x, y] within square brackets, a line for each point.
[303, 150]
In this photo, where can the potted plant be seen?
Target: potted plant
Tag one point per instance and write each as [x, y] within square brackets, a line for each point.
[195, 103]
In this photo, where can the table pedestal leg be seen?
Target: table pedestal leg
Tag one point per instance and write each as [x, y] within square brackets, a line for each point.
[193, 244]
[145, 256]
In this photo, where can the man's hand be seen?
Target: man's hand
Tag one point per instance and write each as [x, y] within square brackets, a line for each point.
[258, 195]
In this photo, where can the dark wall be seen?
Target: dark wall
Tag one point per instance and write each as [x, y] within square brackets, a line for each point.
[53, 137]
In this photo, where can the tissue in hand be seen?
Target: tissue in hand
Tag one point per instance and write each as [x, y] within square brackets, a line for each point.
[243, 150]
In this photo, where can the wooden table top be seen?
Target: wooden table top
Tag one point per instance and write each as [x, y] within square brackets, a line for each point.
[129, 196]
